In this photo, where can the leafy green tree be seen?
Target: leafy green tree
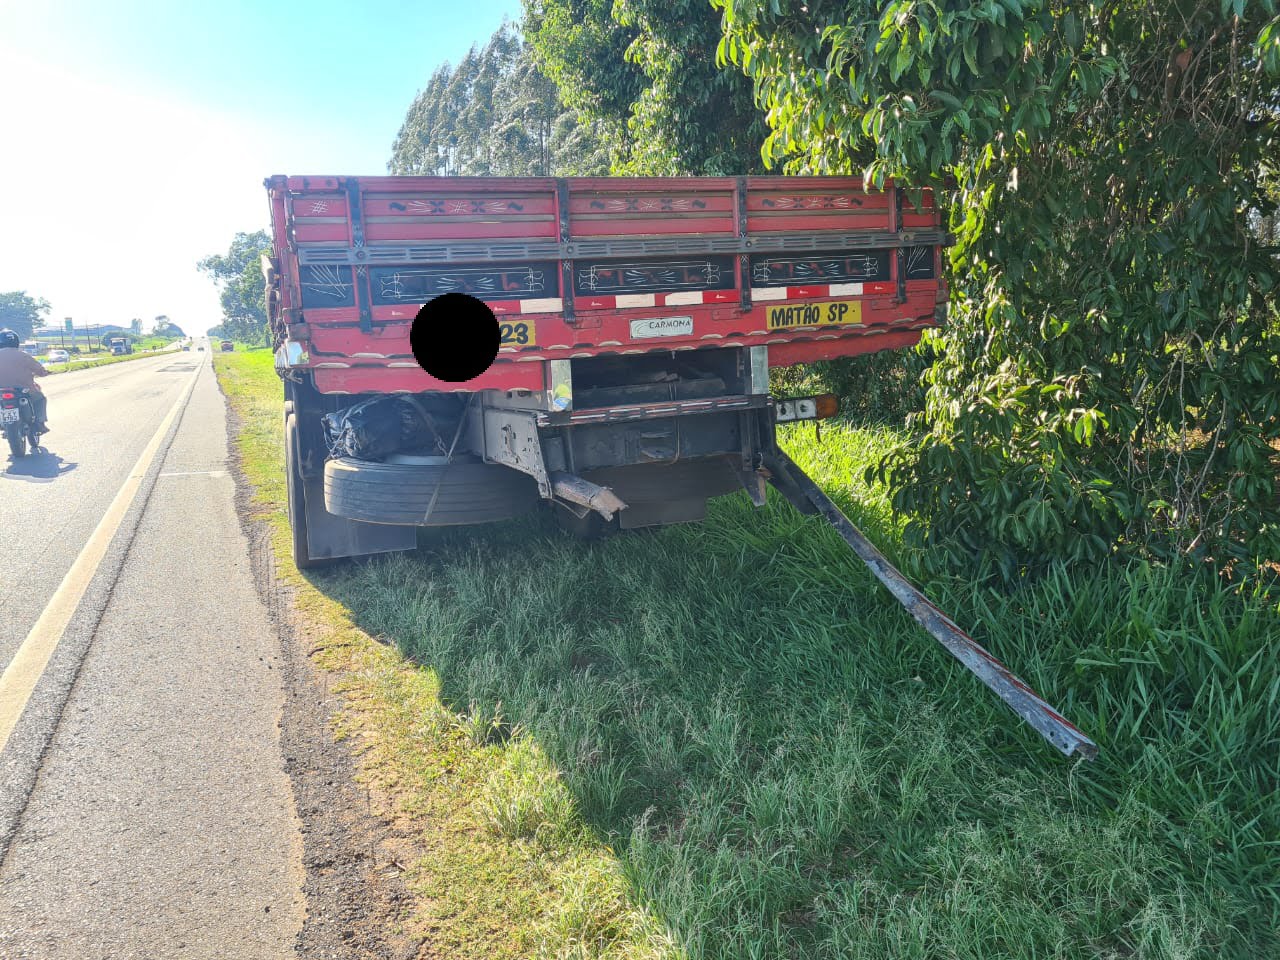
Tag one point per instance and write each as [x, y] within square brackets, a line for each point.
[22, 313]
[1108, 379]
[643, 70]
[495, 114]
[582, 49]
[242, 288]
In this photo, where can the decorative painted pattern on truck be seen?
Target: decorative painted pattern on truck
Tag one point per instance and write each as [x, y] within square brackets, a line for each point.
[651, 276]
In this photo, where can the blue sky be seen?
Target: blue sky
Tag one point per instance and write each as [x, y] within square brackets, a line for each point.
[134, 136]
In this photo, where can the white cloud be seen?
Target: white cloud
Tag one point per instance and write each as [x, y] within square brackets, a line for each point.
[112, 195]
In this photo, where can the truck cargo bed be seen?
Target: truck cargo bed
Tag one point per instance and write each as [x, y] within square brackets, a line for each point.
[815, 268]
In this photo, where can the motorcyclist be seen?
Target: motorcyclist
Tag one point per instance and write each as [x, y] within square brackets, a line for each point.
[18, 369]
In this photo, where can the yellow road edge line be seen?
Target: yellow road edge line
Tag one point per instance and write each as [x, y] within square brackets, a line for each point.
[27, 666]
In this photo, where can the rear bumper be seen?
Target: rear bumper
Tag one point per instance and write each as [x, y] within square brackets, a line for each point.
[651, 411]
[382, 362]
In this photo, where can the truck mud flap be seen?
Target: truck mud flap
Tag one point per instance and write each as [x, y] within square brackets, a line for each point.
[330, 537]
[807, 497]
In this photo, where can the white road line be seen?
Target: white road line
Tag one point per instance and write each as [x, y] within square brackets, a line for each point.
[195, 473]
[24, 671]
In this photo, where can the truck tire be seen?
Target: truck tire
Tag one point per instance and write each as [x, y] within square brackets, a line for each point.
[400, 491]
[297, 505]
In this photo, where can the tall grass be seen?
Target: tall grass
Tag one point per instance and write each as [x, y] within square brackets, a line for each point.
[786, 766]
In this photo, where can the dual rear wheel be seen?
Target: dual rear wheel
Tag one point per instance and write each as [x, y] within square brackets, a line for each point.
[405, 491]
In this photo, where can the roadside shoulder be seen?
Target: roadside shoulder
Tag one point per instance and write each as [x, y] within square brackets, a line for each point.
[352, 856]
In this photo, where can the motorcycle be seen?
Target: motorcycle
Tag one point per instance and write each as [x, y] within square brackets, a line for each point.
[18, 420]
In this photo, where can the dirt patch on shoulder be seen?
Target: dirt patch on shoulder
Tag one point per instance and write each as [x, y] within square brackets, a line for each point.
[355, 901]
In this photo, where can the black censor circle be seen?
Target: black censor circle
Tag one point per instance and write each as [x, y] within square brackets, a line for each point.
[454, 337]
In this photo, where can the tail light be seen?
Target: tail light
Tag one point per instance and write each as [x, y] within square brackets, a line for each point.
[828, 405]
[6, 396]
[792, 409]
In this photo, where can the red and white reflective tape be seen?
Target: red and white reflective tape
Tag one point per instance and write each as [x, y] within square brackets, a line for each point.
[820, 290]
[507, 307]
[688, 298]
[682, 298]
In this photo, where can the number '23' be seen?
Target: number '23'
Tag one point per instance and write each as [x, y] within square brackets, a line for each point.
[514, 333]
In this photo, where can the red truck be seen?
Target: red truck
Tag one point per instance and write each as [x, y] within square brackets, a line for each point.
[638, 321]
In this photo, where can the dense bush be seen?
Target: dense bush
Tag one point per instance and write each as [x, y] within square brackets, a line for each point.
[1108, 381]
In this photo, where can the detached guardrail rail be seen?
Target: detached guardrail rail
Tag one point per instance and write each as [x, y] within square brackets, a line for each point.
[807, 497]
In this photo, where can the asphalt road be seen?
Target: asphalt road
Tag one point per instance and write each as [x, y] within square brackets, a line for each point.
[144, 807]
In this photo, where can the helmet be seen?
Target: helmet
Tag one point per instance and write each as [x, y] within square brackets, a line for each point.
[9, 339]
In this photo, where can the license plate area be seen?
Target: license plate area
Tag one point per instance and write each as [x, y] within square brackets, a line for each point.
[829, 313]
[10, 415]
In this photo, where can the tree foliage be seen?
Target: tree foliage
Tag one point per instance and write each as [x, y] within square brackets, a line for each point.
[22, 313]
[495, 114]
[587, 87]
[1108, 378]
[166, 328]
[242, 289]
[582, 49]
[642, 69]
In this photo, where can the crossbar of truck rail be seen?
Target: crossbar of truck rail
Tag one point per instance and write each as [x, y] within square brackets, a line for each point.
[499, 250]
[1024, 701]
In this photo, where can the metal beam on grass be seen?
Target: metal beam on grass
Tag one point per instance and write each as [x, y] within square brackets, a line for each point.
[807, 496]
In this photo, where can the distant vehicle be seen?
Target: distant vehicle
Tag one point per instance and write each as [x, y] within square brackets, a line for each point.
[200, 348]
[227, 346]
[30, 347]
[58, 356]
[120, 346]
[186, 346]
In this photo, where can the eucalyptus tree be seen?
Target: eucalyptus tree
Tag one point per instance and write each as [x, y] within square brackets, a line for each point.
[645, 71]
[495, 114]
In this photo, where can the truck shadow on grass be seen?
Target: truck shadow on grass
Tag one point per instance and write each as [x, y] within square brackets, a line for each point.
[783, 765]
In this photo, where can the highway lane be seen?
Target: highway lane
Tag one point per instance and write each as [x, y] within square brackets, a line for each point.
[51, 502]
[144, 809]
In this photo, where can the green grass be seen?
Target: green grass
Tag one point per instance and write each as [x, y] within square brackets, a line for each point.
[725, 741]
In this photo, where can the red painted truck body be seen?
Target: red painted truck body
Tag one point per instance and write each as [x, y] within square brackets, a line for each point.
[590, 279]
[359, 257]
